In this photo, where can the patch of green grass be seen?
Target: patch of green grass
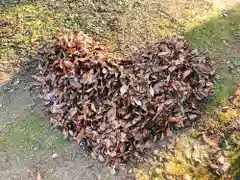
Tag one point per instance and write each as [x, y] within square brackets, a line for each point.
[234, 154]
[25, 25]
[215, 35]
[28, 134]
[221, 92]
[29, 23]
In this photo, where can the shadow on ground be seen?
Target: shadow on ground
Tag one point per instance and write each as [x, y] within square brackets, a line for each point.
[220, 37]
[27, 145]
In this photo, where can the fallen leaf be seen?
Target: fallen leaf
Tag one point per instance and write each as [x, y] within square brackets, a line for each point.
[90, 77]
[186, 73]
[123, 89]
[192, 116]
[175, 119]
[172, 68]
[163, 53]
[101, 158]
[85, 110]
[38, 176]
[72, 112]
[151, 91]
[75, 84]
[93, 107]
[139, 103]
[112, 113]
[169, 132]
[68, 64]
[80, 136]
[100, 177]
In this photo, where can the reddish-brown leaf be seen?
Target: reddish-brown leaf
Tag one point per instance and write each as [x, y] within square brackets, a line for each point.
[112, 113]
[90, 77]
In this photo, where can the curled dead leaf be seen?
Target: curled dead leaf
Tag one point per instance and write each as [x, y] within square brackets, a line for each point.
[112, 113]
[123, 89]
[39, 177]
[90, 77]
[151, 91]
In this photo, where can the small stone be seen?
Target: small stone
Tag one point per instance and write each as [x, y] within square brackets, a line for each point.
[214, 167]
[130, 170]
[225, 167]
[221, 160]
[224, 109]
[225, 14]
[94, 155]
[187, 177]
[170, 146]
[16, 82]
[72, 139]
[101, 158]
[113, 171]
[1, 105]
[54, 156]
[155, 152]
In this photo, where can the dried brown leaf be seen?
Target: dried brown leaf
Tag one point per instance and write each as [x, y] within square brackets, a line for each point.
[123, 89]
[112, 113]
[169, 132]
[74, 83]
[80, 136]
[39, 177]
[192, 116]
[186, 73]
[90, 77]
[93, 107]
[175, 119]
[85, 110]
[151, 91]
[72, 112]
[68, 64]
[172, 68]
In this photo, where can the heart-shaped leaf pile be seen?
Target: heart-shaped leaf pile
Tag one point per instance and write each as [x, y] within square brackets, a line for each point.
[120, 109]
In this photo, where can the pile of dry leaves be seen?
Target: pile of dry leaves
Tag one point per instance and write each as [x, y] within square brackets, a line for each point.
[119, 109]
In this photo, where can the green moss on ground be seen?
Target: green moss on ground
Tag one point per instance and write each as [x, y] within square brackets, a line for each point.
[24, 25]
[29, 23]
[215, 35]
[218, 37]
[29, 134]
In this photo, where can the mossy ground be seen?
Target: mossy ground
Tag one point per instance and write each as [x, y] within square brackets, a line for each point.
[31, 137]
[125, 26]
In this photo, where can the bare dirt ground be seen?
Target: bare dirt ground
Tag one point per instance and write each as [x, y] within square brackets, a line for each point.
[28, 146]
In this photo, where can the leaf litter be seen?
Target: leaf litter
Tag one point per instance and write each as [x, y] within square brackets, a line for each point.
[118, 108]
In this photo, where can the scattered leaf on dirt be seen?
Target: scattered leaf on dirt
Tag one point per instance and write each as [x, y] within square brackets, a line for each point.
[38, 176]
